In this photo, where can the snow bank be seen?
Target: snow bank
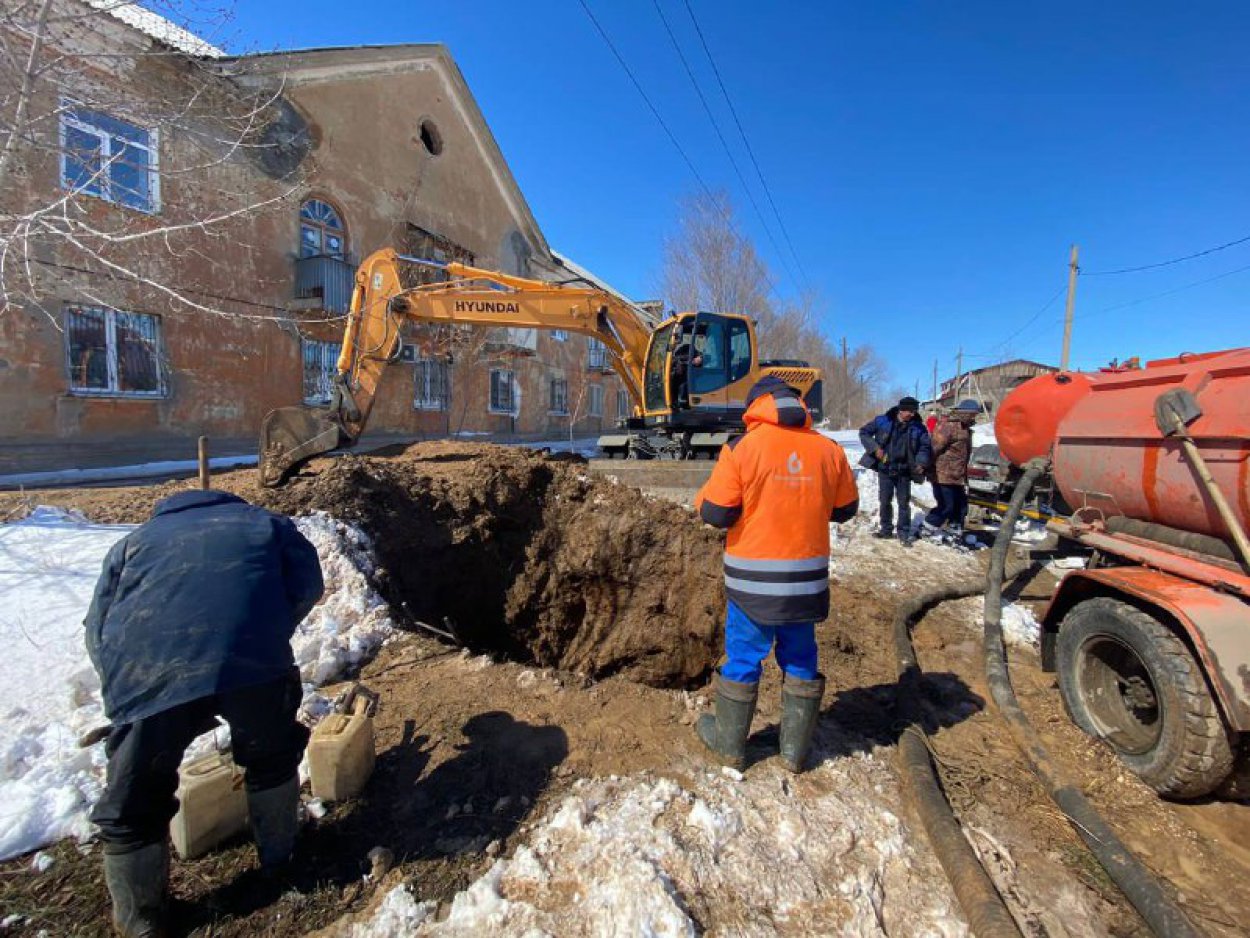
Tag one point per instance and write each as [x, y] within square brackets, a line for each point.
[49, 692]
[635, 856]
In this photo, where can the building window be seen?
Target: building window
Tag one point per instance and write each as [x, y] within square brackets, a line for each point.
[559, 396]
[320, 366]
[559, 335]
[112, 352]
[622, 403]
[597, 355]
[502, 393]
[321, 231]
[109, 158]
[431, 384]
[595, 407]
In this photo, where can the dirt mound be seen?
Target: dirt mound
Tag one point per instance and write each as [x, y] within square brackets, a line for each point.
[520, 553]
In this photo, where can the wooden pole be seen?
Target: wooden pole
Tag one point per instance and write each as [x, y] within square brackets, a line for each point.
[203, 462]
[935, 399]
[846, 383]
[959, 375]
[1067, 316]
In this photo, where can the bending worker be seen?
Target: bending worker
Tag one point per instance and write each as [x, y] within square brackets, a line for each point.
[192, 618]
[775, 489]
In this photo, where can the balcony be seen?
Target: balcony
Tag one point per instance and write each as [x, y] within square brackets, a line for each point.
[324, 282]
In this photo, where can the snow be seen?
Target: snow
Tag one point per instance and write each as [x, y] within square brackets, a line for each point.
[631, 855]
[114, 473]
[50, 694]
[1020, 626]
[157, 27]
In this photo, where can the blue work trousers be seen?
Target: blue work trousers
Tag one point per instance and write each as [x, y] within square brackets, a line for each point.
[747, 644]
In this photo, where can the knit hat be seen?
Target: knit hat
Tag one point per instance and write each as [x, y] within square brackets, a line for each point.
[769, 384]
[909, 403]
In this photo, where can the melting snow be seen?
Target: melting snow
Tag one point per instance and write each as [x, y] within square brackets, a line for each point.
[49, 692]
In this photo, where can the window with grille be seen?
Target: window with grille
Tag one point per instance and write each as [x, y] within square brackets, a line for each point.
[559, 396]
[321, 231]
[320, 366]
[595, 407]
[502, 392]
[113, 352]
[431, 384]
[109, 158]
[559, 335]
[597, 354]
[622, 403]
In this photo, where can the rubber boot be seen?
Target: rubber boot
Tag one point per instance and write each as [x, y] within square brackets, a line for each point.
[800, 708]
[136, 882]
[726, 732]
[274, 813]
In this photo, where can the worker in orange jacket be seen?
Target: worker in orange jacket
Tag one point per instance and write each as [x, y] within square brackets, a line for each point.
[775, 489]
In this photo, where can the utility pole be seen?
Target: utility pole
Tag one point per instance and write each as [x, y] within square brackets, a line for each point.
[846, 382]
[1067, 316]
[935, 400]
[959, 373]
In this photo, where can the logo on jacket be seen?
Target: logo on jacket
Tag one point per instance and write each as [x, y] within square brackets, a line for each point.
[794, 464]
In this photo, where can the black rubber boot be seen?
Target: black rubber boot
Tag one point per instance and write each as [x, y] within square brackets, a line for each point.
[274, 813]
[726, 732]
[136, 882]
[800, 708]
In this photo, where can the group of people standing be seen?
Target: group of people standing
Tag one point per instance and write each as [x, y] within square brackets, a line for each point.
[903, 450]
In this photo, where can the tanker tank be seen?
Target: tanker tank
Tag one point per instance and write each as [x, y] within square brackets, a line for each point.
[1109, 457]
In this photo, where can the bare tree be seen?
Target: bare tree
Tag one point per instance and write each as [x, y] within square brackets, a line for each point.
[709, 264]
[122, 138]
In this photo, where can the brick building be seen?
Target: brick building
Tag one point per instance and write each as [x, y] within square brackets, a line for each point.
[169, 327]
[990, 384]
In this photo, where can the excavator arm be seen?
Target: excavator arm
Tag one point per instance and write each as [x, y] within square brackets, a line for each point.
[372, 340]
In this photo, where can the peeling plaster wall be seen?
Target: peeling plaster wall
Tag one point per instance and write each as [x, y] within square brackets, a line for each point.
[223, 373]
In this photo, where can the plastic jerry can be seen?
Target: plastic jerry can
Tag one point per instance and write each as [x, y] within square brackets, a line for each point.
[341, 752]
[212, 805]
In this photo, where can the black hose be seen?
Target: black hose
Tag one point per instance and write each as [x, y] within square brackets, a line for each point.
[984, 908]
[1139, 886]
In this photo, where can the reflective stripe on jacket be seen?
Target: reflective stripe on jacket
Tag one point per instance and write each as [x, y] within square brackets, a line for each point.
[776, 489]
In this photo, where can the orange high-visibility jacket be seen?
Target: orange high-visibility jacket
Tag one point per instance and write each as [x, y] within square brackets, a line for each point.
[776, 489]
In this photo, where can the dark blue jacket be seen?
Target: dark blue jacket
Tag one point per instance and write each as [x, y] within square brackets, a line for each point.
[907, 446]
[202, 598]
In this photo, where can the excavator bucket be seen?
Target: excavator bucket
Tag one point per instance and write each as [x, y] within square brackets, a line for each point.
[290, 436]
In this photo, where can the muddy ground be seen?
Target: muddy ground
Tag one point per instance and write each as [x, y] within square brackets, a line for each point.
[474, 747]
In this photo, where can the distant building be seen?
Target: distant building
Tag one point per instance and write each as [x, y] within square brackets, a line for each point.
[990, 384]
[366, 147]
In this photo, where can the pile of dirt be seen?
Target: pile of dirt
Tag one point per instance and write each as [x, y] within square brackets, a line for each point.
[517, 552]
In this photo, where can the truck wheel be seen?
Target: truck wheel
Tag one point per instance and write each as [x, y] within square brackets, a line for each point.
[1128, 679]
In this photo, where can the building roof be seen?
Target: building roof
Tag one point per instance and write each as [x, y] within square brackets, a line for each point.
[309, 66]
[158, 28]
[582, 273]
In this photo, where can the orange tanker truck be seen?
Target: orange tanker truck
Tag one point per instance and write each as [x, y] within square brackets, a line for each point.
[1151, 641]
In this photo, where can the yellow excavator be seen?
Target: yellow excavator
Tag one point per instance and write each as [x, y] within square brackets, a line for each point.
[688, 376]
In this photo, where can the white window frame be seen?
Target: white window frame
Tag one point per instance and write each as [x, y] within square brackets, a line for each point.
[110, 346]
[594, 407]
[596, 355]
[511, 410]
[559, 403]
[329, 365]
[423, 395]
[152, 148]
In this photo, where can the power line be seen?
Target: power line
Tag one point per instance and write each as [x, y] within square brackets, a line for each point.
[655, 111]
[759, 172]
[723, 142]
[1176, 260]
[1032, 319]
[1156, 296]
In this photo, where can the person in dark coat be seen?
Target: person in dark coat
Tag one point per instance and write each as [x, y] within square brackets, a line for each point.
[192, 618]
[952, 447]
[896, 446]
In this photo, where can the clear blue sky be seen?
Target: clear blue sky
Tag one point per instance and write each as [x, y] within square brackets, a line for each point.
[932, 161]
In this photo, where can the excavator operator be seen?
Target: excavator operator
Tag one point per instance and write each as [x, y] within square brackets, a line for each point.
[775, 489]
[685, 356]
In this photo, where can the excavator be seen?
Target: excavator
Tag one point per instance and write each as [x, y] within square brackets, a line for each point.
[687, 376]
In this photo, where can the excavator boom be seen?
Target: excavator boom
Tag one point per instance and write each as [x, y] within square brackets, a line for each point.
[372, 339]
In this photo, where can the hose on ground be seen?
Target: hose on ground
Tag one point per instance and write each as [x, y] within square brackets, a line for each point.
[984, 908]
[1139, 886]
